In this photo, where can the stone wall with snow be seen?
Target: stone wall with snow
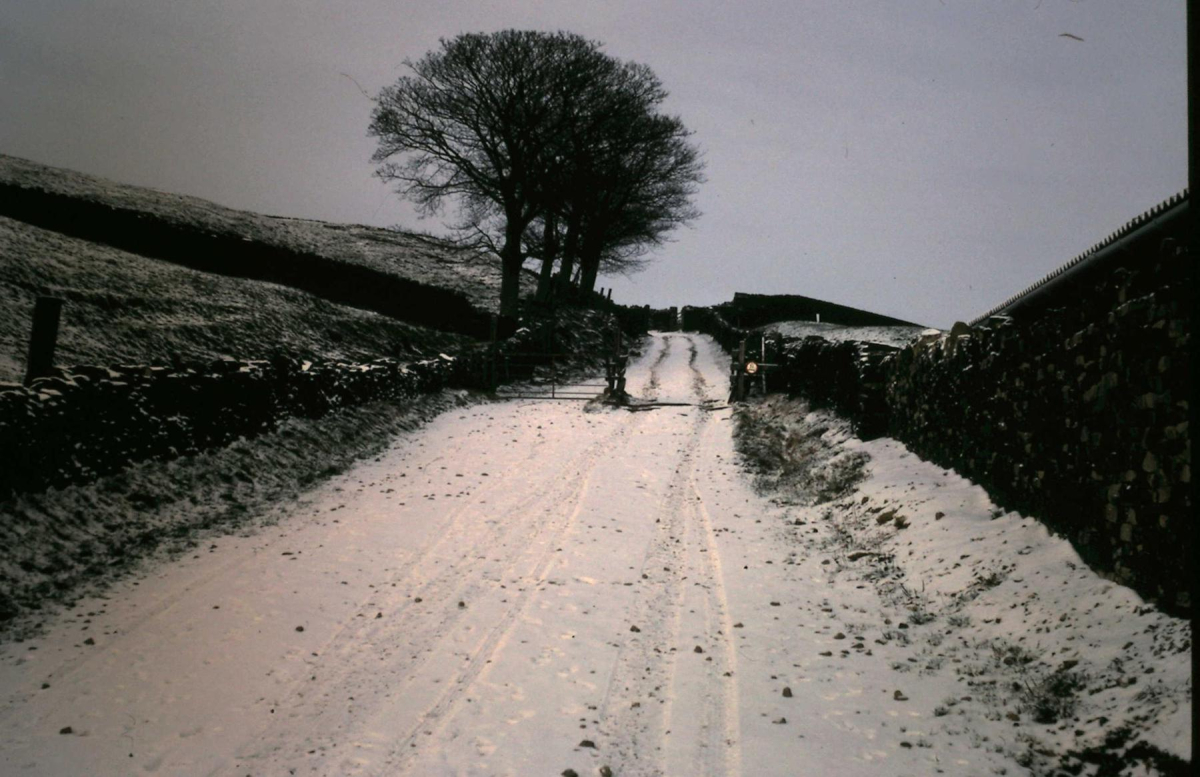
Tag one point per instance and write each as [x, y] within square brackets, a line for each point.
[88, 421]
[1078, 415]
[84, 422]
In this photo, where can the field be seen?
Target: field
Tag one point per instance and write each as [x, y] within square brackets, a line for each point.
[405, 255]
[122, 308]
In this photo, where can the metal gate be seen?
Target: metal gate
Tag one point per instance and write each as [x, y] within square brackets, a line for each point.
[542, 374]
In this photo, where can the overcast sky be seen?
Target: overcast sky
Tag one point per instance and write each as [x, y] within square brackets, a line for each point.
[923, 159]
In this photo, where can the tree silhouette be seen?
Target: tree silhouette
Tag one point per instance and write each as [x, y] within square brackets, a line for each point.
[518, 127]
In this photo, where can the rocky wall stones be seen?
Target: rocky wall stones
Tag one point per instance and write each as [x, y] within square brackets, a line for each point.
[88, 421]
[710, 322]
[1078, 415]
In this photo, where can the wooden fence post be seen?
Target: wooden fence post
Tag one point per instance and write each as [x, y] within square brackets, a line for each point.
[619, 362]
[42, 338]
[762, 357]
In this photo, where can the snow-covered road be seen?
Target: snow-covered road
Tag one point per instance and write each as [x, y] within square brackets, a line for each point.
[520, 588]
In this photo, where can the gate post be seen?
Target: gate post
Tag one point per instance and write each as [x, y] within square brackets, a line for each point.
[620, 361]
[42, 338]
[740, 388]
[491, 374]
[762, 357]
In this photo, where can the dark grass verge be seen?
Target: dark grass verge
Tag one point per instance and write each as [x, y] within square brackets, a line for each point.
[1121, 753]
[62, 544]
[793, 456]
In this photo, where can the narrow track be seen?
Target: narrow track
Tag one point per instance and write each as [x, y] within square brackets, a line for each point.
[462, 605]
[671, 702]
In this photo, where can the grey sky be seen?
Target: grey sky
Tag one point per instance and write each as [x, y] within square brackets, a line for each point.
[923, 159]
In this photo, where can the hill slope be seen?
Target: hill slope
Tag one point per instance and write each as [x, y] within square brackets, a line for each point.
[407, 276]
[125, 308]
[754, 310]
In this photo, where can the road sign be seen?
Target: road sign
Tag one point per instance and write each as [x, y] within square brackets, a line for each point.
[751, 368]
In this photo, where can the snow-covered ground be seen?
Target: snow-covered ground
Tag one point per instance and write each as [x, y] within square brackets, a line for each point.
[896, 336]
[528, 588]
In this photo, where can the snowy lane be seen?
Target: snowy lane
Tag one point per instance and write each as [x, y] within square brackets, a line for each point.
[501, 586]
[528, 588]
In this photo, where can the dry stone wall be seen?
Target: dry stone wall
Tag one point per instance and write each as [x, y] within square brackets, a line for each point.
[849, 377]
[87, 421]
[712, 323]
[1078, 416]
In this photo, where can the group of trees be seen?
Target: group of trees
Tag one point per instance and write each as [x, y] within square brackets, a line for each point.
[551, 149]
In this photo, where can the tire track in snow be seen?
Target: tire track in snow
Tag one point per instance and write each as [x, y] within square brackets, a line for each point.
[726, 729]
[360, 631]
[650, 390]
[683, 605]
[410, 645]
[632, 721]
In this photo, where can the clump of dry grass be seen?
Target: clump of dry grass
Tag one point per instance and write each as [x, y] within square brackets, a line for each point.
[788, 451]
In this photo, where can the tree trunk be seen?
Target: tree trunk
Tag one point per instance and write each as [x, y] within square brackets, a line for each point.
[569, 251]
[511, 260]
[587, 280]
[550, 251]
[589, 263]
[545, 278]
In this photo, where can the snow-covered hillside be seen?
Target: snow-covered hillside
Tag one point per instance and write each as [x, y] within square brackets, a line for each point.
[414, 257]
[897, 336]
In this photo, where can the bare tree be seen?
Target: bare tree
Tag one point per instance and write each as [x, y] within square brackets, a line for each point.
[522, 130]
[472, 124]
[628, 185]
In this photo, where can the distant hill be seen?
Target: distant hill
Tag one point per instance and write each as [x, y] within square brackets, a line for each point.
[750, 311]
[406, 276]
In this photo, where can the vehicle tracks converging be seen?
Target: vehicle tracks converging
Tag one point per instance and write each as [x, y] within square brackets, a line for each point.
[461, 604]
[671, 703]
[440, 593]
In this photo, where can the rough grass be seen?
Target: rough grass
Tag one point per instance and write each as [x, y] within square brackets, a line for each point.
[1040, 672]
[792, 454]
[125, 308]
